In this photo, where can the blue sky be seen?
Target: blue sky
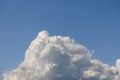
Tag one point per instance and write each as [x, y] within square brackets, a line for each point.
[93, 23]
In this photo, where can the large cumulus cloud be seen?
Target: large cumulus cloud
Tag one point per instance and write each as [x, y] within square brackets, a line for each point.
[60, 58]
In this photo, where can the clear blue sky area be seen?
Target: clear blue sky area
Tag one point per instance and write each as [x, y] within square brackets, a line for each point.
[93, 23]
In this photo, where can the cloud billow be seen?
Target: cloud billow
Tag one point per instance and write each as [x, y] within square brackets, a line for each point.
[60, 58]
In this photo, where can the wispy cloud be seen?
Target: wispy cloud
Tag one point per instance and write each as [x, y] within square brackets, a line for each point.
[60, 58]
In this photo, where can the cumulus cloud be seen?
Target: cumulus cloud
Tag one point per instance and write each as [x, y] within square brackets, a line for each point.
[60, 58]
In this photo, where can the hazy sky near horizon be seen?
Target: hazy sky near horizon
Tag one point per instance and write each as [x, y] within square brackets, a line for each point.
[92, 23]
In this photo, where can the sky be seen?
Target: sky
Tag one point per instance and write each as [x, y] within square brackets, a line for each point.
[92, 23]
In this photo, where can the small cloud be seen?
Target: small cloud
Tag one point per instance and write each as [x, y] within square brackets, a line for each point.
[92, 51]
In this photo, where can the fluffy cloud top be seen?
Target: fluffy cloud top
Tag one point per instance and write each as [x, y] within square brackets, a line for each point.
[60, 58]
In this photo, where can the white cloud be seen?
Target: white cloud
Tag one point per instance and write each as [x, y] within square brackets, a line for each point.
[90, 74]
[60, 58]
